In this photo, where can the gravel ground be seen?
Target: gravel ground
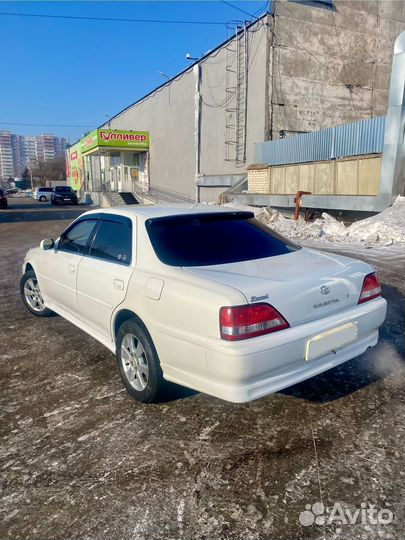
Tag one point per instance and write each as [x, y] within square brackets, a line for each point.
[80, 459]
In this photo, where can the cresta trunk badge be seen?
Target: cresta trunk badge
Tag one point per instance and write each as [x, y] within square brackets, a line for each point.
[258, 298]
[325, 289]
[326, 303]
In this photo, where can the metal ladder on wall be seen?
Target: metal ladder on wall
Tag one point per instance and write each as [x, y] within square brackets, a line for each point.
[236, 88]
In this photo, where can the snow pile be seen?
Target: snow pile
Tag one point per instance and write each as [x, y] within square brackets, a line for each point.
[385, 228]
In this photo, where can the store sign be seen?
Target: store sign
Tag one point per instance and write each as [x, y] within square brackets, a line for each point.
[115, 138]
[89, 142]
[75, 167]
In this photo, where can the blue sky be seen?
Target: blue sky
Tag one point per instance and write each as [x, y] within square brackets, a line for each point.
[58, 71]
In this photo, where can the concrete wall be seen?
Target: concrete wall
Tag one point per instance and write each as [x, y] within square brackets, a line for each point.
[350, 176]
[169, 117]
[213, 110]
[331, 66]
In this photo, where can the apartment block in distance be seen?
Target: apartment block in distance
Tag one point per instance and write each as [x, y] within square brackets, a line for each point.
[18, 151]
[6, 155]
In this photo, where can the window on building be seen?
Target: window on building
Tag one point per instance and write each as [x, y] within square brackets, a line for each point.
[115, 159]
[131, 159]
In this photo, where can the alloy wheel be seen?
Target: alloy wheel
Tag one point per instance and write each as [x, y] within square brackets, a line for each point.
[33, 295]
[134, 362]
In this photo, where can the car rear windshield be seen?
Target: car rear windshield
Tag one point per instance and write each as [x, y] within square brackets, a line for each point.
[212, 238]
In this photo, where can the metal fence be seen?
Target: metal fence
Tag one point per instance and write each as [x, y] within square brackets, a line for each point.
[357, 138]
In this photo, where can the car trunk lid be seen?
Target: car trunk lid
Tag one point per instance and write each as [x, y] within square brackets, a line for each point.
[303, 285]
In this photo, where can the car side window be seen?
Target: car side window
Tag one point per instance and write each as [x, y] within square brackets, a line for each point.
[75, 239]
[113, 240]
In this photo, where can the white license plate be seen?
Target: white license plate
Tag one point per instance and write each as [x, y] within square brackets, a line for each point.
[66, 198]
[329, 341]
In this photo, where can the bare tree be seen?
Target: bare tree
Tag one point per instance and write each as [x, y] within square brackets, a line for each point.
[53, 170]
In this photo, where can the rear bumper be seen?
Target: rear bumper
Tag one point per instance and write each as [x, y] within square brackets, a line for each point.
[247, 370]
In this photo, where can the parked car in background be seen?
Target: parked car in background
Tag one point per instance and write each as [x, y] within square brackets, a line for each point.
[206, 297]
[3, 200]
[43, 194]
[63, 195]
[12, 192]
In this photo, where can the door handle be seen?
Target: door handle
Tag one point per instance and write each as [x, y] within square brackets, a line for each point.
[71, 269]
[118, 284]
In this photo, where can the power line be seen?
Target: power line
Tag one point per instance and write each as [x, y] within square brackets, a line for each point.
[239, 9]
[45, 125]
[76, 17]
[266, 7]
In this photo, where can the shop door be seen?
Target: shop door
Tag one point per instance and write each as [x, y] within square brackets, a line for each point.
[126, 184]
[131, 171]
[115, 174]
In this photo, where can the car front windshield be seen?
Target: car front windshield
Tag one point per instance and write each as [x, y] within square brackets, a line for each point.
[211, 239]
[63, 189]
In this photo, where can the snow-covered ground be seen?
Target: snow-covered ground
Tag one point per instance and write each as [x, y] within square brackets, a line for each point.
[384, 229]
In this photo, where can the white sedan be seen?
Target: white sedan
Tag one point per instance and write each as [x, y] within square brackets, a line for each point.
[206, 297]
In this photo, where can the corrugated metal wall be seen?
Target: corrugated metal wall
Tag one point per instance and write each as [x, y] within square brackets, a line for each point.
[358, 138]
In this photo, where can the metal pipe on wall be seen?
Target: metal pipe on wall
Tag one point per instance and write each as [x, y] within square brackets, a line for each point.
[197, 127]
[393, 161]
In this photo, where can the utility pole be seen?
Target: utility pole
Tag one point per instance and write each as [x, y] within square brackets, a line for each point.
[32, 184]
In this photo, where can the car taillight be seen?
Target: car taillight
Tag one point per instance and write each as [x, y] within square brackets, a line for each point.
[371, 288]
[243, 322]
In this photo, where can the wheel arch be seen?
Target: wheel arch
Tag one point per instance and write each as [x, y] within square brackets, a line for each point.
[123, 315]
[28, 266]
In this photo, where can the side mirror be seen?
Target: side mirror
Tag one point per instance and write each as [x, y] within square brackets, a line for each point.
[48, 243]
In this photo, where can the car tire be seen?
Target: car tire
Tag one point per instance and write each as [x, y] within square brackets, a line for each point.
[42, 198]
[138, 363]
[75, 202]
[31, 295]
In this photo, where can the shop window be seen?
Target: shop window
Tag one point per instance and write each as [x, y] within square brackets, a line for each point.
[115, 159]
[131, 159]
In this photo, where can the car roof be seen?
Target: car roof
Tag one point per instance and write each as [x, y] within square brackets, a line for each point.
[147, 211]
